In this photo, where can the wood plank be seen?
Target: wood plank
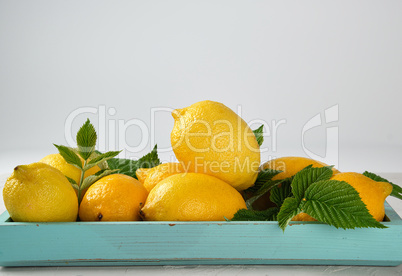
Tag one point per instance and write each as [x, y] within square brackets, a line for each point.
[141, 243]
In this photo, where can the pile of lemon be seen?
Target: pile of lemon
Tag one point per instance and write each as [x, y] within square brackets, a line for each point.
[218, 157]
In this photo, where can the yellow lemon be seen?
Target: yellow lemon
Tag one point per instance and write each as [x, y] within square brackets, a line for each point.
[303, 217]
[115, 197]
[372, 193]
[57, 161]
[158, 173]
[210, 138]
[142, 174]
[39, 192]
[291, 165]
[192, 197]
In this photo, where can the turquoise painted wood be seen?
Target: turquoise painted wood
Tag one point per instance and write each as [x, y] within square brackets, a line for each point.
[185, 243]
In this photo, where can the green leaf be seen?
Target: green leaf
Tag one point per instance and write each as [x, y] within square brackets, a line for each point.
[262, 185]
[259, 135]
[69, 155]
[72, 181]
[75, 186]
[262, 191]
[252, 215]
[101, 158]
[124, 165]
[396, 190]
[102, 165]
[89, 180]
[280, 193]
[86, 140]
[289, 209]
[129, 167]
[304, 178]
[149, 160]
[375, 177]
[101, 171]
[263, 177]
[337, 203]
[301, 181]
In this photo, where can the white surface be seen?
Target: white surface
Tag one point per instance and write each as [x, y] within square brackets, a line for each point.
[215, 270]
[279, 60]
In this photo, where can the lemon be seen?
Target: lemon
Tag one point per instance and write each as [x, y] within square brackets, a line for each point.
[38, 192]
[303, 217]
[210, 138]
[57, 161]
[192, 197]
[372, 193]
[115, 197]
[158, 173]
[291, 165]
[142, 174]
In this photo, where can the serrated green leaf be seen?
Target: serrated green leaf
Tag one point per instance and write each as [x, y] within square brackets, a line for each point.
[396, 190]
[259, 135]
[126, 166]
[101, 158]
[338, 204]
[304, 178]
[279, 194]
[375, 177]
[306, 168]
[129, 167]
[253, 215]
[89, 180]
[149, 160]
[289, 209]
[69, 155]
[86, 140]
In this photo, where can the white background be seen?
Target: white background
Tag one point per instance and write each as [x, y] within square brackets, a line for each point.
[278, 60]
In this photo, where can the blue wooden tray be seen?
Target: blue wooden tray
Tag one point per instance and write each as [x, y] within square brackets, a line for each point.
[193, 243]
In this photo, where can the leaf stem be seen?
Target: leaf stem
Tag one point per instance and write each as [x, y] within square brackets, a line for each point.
[81, 180]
